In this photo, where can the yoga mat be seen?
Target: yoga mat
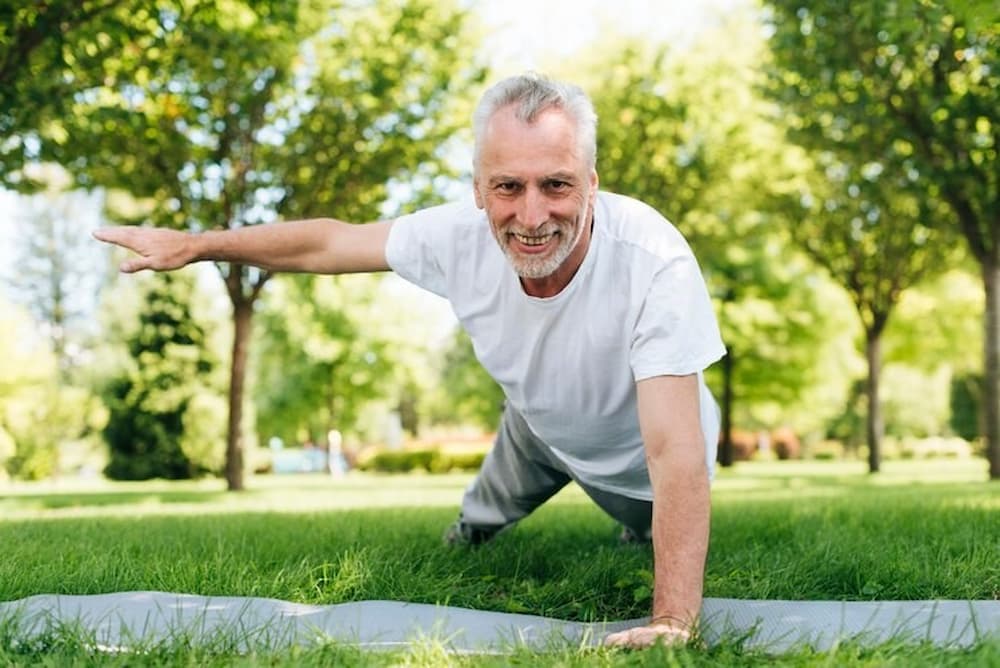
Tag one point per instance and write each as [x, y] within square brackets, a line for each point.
[121, 620]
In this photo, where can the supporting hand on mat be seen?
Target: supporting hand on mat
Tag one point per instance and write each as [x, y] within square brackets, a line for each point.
[668, 632]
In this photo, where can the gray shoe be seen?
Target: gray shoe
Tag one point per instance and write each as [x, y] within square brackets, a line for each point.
[461, 533]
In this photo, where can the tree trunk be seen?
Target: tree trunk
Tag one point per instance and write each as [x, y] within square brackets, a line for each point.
[726, 447]
[242, 322]
[991, 371]
[874, 426]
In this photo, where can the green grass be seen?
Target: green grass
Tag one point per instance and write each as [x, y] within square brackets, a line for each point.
[782, 530]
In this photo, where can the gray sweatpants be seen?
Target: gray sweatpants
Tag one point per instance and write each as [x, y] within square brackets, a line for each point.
[520, 473]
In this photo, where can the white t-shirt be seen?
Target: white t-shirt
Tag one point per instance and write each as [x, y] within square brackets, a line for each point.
[636, 308]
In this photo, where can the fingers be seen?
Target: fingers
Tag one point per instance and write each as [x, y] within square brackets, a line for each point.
[134, 265]
[123, 236]
[647, 636]
[114, 235]
[156, 249]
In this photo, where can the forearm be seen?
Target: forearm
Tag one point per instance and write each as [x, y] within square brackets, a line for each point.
[681, 518]
[319, 245]
[670, 422]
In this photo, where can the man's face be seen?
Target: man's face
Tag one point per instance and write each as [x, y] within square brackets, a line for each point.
[538, 192]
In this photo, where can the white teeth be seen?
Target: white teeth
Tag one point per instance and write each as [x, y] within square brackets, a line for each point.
[532, 241]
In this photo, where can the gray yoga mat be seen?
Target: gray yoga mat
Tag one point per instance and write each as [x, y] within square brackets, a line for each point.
[122, 620]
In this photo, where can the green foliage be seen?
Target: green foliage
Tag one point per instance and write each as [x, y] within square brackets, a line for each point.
[937, 323]
[926, 352]
[915, 403]
[231, 113]
[687, 133]
[228, 113]
[204, 430]
[898, 102]
[965, 400]
[321, 360]
[40, 43]
[149, 401]
[58, 271]
[430, 461]
[913, 85]
[39, 412]
[467, 393]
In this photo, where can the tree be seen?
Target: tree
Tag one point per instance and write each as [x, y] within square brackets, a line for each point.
[50, 51]
[58, 274]
[468, 393]
[687, 134]
[929, 338]
[914, 87]
[41, 415]
[321, 360]
[233, 113]
[149, 400]
[865, 225]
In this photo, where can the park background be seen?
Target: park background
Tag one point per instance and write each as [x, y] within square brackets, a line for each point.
[834, 169]
[834, 166]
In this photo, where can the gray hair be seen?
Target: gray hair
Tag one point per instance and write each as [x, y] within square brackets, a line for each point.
[532, 94]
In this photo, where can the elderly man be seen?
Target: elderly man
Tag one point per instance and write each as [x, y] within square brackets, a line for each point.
[588, 308]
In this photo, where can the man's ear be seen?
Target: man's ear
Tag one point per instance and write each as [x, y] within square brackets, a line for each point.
[480, 203]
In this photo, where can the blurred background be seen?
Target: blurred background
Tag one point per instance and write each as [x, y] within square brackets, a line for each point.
[833, 165]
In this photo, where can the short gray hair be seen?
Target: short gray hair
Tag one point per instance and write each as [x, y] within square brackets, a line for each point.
[531, 94]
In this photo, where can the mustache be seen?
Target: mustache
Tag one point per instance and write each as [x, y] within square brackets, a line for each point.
[548, 227]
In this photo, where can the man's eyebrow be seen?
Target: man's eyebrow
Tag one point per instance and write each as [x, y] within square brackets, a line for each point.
[503, 178]
[559, 176]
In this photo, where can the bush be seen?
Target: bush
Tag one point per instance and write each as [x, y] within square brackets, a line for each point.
[786, 444]
[744, 445]
[965, 400]
[32, 462]
[430, 461]
[38, 423]
[203, 441]
[827, 450]
[466, 461]
[7, 446]
[927, 448]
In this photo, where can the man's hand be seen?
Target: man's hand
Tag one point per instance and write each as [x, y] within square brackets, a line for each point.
[668, 632]
[158, 249]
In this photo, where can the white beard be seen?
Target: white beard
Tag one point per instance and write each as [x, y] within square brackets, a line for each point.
[539, 267]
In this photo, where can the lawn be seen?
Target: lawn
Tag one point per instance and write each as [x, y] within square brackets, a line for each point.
[781, 530]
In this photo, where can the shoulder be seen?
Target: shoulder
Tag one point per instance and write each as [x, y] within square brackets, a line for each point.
[456, 214]
[635, 227]
[435, 247]
[437, 229]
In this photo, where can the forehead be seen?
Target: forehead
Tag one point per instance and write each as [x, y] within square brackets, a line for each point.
[549, 143]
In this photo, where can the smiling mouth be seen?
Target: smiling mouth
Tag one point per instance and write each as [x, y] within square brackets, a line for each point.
[533, 240]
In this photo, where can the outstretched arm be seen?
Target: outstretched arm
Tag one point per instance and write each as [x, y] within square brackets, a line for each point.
[321, 245]
[669, 419]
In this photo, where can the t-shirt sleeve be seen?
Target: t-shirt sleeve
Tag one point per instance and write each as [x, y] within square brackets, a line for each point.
[419, 243]
[676, 333]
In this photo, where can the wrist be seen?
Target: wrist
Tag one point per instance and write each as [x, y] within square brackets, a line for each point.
[199, 245]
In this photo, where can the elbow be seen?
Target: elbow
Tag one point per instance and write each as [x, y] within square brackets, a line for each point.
[686, 459]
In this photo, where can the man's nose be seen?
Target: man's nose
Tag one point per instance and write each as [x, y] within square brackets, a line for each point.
[534, 209]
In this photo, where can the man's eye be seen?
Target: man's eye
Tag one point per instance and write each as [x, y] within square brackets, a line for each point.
[557, 185]
[507, 187]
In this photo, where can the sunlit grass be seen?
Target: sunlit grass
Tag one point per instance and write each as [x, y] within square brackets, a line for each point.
[781, 530]
[278, 494]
